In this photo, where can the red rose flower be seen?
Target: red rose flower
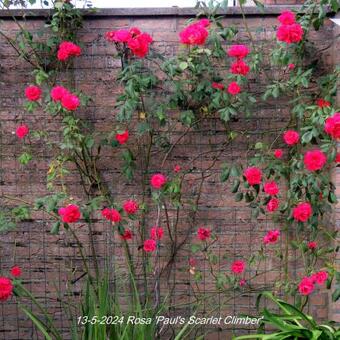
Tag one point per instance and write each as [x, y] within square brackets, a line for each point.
[156, 233]
[278, 153]
[70, 102]
[290, 33]
[204, 22]
[332, 125]
[139, 45]
[68, 49]
[253, 175]
[242, 282]
[127, 235]
[194, 34]
[118, 36]
[320, 277]
[287, 18]
[322, 103]
[22, 131]
[302, 212]
[271, 188]
[291, 137]
[314, 160]
[58, 92]
[337, 158]
[273, 205]
[6, 288]
[177, 168]
[33, 93]
[192, 262]
[238, 267]
[158, 181]
[203, 233]
[130, 207]
[238, 51]
[122, 138]
[312, 245]
[217, 86]
[111, 214]
[150, 245]
[16, 271]
[271, 236]
[306, 286]
[234, 88]
[239, 67]
[70, 213]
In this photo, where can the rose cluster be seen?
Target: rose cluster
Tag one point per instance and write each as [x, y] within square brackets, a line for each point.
[156, 234]
[196, 33]
[290, 31]
[332, 126]
[306, 286]
[68, 100]
[138, 42]
[239, 66]
[68, 49]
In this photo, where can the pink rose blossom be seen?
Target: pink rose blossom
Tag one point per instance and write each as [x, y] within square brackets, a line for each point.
[312, 245]
[290, 33]
[234, 88]
[70, 102]
[16, 271]
[238, 51]
[6, 288]
[273, 205]
[287, 18]
[278, 153]
[332, 126]
[33, 93]
[253, 175]
[320, 277]
[306, 286]
[130, 207]
[156, 233]
[271, 188]
[291, 137]
[239, 67]
[271, 236]
[70, 213]
[203, 233]
[217, 86]
[194, 34]
[22, 131]
[238, 267]
[302, 212]
[150, 245]
[123, 137]
[68, 49]
[58, 92]
[127, 235]
[158, 181]
[314, 160]
[111, 214]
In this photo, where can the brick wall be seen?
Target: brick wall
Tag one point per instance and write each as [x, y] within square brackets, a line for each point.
[46, 259]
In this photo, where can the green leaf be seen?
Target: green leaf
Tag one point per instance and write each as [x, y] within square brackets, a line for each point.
[336, 295]
[183, 65]
[187, 117]
[235, 186]
[55, 228]
[24, 158]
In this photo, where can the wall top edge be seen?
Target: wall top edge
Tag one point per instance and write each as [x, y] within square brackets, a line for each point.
[149, 12]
